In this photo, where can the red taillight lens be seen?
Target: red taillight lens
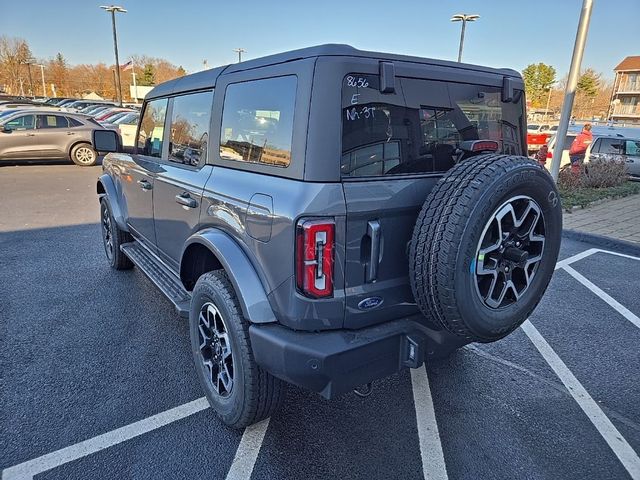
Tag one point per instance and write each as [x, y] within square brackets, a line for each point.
[485, 145]
[314, 257]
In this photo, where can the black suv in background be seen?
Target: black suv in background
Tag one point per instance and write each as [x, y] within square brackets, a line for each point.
[328, 216]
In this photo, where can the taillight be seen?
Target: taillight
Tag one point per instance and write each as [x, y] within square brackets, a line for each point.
[314, 257]
[485, 145]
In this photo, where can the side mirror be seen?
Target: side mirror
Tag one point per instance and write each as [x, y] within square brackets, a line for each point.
[6, 129]
[106, 141]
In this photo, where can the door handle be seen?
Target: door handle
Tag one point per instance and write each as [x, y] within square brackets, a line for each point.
[144, 185]
[373, 231]
[70, 133]
[185, 200]
[31, 134]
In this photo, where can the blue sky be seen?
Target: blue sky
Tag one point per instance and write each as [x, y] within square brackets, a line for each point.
[510, 33]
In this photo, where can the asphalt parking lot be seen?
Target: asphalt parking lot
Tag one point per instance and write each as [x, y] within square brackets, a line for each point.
[97, 380]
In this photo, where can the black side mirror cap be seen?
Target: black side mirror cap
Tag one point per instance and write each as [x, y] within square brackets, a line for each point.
[106, 141]
[6, 129]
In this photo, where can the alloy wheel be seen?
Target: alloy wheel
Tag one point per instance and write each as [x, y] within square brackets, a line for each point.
[85, 155]
[215, 349]
[107, 231]
[509, 252]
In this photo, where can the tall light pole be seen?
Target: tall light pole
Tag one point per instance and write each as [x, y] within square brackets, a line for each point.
[44, 88]
[572, 83]
[113, 9]
[464, 18]
[240, 51]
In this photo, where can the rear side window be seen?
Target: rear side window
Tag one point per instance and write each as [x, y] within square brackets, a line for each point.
[190, 128]
[152, 128]
[418, 129]
[257, 121]
[73, 122]
[52, 121]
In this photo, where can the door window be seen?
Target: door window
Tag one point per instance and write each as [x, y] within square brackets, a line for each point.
[632, 148]
[190, 128]
[24, 122]
[611, 146]
[152, 128]
[257, 121]
[52, 121]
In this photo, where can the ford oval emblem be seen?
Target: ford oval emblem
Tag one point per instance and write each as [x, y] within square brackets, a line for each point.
[369, 303]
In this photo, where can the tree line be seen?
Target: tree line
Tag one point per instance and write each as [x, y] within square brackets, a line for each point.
[21, 74]
[593, 92]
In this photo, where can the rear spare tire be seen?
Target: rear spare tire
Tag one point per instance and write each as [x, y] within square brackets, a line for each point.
[485, 245]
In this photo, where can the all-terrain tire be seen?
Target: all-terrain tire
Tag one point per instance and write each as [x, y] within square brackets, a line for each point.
[110, 231]
[84, 155]
[255, 394]
[445, 246]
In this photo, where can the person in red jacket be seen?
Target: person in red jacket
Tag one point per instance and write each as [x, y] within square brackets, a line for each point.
[579, 147]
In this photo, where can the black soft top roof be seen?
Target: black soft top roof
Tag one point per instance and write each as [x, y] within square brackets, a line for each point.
[207, 78]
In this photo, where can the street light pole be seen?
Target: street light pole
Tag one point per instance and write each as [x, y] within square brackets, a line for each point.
[464, 18]
[30, 79]
[572, 83]
[240, 52]
[113, 9]
[44, 88]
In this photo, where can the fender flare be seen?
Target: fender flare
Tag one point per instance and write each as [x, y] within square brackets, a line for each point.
[248, 286]
[106, 187]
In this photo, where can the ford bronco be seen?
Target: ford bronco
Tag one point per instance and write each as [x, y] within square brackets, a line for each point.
[328, 216]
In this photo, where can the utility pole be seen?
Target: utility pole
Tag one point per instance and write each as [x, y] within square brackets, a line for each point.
[572, 83]
[113, 9]
[240, 51]
[464, 18]
[28, 64]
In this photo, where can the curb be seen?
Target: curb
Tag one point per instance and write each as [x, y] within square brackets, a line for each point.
[621, 246]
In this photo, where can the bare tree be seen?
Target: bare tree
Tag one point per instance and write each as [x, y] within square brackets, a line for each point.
[14, 53]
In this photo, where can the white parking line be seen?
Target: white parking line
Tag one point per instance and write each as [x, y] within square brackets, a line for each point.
[621, 309]
[248, 451]
[609, 432]
[575, 258]
[433, 466]
[68, 454]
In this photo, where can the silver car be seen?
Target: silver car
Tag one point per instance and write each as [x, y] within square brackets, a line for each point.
[43, 134]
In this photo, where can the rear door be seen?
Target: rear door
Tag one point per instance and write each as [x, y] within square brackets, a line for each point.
[632, 152]
[395, 147]
[177, 191]
[52, 135]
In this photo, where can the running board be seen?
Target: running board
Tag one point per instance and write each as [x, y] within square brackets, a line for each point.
[161, 276]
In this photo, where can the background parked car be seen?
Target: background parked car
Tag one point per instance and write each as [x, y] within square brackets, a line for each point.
[31, 134]
[615, 147]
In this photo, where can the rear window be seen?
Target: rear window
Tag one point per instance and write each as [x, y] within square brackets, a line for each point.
[418, 128]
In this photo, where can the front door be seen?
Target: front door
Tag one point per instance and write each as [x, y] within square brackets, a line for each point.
[141, 170]
[178, 187]
[17, 140]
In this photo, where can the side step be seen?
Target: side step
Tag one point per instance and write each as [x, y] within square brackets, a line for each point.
[160, 275]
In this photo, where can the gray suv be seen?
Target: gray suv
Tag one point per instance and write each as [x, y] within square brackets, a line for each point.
[327, 217]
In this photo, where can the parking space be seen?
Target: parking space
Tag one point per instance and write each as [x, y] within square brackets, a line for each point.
[97, 380]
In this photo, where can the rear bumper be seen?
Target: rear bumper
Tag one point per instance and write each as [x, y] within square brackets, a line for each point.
[334, 362]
